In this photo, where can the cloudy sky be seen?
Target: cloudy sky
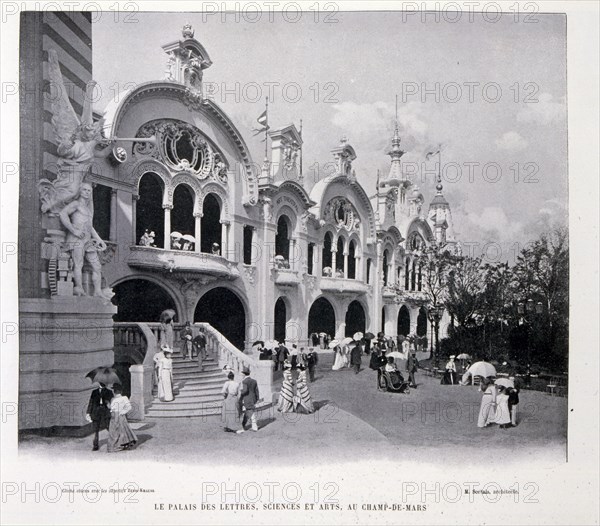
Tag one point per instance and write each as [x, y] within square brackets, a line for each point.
[491, 93]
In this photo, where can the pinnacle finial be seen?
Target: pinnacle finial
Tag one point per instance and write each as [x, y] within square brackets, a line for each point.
[187, 31]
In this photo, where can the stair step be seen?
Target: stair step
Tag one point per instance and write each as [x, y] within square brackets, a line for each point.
[185, 413]
[182, 403]
[200, 384]
[198, 374]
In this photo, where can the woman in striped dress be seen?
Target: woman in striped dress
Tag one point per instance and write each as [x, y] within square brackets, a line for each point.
[304, 401]
[286, 396]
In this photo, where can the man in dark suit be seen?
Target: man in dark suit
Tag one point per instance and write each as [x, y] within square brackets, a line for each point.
[249, 397]
[311, 359]
[412, 365]
[98, 411]
[355, 357]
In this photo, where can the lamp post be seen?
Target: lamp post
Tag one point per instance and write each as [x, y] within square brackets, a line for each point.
[526, 309]
[435, 315]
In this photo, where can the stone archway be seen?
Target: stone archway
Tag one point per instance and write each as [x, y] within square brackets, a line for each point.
[404, 321]
[223, 309]
[281, 317]
[141, 300]
[321, 317]
[356, 320]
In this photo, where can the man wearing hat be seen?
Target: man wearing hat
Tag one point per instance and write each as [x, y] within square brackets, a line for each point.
[98, 411]
[412, 365]
[281, 356]
[249, 396]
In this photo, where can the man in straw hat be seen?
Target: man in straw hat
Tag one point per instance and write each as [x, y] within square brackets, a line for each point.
[249, 397]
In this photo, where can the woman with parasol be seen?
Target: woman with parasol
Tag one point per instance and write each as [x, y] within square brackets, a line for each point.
[120, 434]
[167, 333]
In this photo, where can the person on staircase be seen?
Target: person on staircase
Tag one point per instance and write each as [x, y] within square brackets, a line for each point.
[187, 348]
[165, 376]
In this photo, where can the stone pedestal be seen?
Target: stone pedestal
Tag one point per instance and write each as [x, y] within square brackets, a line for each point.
[60, 341]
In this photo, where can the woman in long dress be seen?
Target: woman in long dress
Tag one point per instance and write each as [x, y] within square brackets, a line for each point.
[449, 377]
[120, 435]
[165, 376]
[487, 410]
[230, 392]
[502, 415]
[338, 362]
[304, 401]
[286, 395]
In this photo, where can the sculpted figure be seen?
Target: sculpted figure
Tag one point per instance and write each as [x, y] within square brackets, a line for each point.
[77, 142]
[82, 240]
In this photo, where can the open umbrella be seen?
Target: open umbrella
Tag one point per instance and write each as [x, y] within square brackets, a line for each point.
[333, 343]
[505, 382]
[271, 344]
[357, 336]
[397, 354]
[369, 336]
[483, 369]
[104, 375]
[188, 237]
[167, 315]
[176, 235]
[346, 341]
[463, 356]
[258, 342]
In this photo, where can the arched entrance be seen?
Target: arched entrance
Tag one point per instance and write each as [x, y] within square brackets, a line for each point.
[422, 322]
[280, 319]
[356, 320]
[225, 312]
[321, 317]
[149, 213]
[140, 300]
[383, 320]
[210, 224]
[403, 321]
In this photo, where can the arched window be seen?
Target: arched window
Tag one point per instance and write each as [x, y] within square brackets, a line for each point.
[352, 260]
[282, 238]
[149, 213]
[339, 262]
[327, 244]
[386, 260]
[406, 274]
[420, 280]
[413, 277]
[211, 225]
[182, 218]
[368, 270]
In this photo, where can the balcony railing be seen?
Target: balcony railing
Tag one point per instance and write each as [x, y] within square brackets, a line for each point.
[158, 259]
[343, 285]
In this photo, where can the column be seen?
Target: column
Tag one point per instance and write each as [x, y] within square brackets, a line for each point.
[167, 241]
[134, 200]
[346, 265]
[359, 270]
[112, 236]
[197, 231]
[225, 239]
[292, 253]
[333, 261]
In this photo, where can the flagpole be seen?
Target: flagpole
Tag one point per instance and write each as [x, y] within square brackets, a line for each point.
[266, 125]
[440, 161]
[301, 149]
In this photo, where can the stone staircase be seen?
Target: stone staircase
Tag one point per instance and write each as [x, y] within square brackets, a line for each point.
[197, 394]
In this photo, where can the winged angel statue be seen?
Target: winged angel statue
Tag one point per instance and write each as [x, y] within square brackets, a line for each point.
[77, 142]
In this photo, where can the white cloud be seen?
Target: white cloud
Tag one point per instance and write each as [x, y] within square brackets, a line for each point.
[544, 111]
[371, 124]
[494, 222]
[511, 141]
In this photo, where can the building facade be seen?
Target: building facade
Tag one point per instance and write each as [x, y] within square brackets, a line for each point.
[192, 224]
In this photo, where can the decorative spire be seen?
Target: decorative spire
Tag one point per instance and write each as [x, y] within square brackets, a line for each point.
[187, 31]
[395, 175]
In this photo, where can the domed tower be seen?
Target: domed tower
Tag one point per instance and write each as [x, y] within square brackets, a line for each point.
[440, 216]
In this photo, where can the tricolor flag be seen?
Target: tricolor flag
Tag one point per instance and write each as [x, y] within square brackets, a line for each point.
[431, 153]
[263, 121]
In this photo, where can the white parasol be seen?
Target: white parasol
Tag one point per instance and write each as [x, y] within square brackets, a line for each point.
[483, 369]
[176, 235]
[357, 336]
[333, 343]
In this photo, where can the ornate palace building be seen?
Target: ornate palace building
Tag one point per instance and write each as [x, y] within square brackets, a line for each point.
[249, 250]
[190, 223]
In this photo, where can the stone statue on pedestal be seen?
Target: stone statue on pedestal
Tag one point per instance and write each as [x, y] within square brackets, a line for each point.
[77, 142]
[83, 241]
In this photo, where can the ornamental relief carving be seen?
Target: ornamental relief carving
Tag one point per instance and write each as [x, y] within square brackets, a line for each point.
[182, 147]
[340, 213]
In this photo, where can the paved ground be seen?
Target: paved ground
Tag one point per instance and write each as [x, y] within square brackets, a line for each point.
[432, 422]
